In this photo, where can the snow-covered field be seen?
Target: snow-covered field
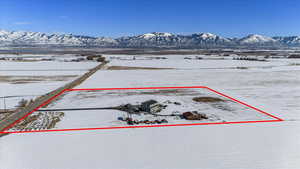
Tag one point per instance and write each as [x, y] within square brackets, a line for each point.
[30, 79]
[271, 86]
[207, 62]
[224, 110]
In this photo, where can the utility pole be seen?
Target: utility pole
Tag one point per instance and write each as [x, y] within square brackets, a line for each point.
[4, 104]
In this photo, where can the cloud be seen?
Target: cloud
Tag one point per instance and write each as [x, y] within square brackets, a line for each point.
[22, 23]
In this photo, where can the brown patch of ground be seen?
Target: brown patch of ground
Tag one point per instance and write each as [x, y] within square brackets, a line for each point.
[207, 99]
[29, 60]
[242, 67]
[134, 68]
[160, 92]
[294, 64]
[33, 79]
[166, 91]
[177, 92]
[4, 116]
[4, 111]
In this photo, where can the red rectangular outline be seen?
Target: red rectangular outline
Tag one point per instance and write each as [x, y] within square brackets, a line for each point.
[277, 119]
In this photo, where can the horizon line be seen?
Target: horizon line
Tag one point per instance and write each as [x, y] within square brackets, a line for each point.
[136, 34]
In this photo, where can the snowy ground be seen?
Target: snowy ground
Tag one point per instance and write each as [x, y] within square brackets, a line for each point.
[274, 89]
[208, 62]
[30, 79]
[222, 111]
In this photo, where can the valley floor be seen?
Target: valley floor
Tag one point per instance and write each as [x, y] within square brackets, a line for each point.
[271, 86]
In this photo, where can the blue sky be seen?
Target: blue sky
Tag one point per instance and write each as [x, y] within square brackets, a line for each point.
[114, 18]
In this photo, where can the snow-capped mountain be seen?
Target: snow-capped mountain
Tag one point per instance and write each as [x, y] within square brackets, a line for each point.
[147, 40]
[158, 39]
[153, 39]
[208, 39]
[289, 40]
[155, 34]
[37, 38]
[256, 39]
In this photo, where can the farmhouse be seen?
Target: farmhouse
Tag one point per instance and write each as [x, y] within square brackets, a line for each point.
[151, 106]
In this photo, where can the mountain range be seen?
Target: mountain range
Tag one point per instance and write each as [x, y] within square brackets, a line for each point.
[148, 40]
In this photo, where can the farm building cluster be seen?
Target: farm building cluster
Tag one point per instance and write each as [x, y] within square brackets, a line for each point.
[153, 107]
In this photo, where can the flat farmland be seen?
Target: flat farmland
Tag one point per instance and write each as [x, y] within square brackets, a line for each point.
[272, 86]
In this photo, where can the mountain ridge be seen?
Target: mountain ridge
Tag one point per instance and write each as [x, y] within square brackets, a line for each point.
[147, 40]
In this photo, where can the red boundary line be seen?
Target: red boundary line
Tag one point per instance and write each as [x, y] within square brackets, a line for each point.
[142, 126]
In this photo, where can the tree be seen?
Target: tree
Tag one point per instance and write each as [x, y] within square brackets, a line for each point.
[22, 103]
